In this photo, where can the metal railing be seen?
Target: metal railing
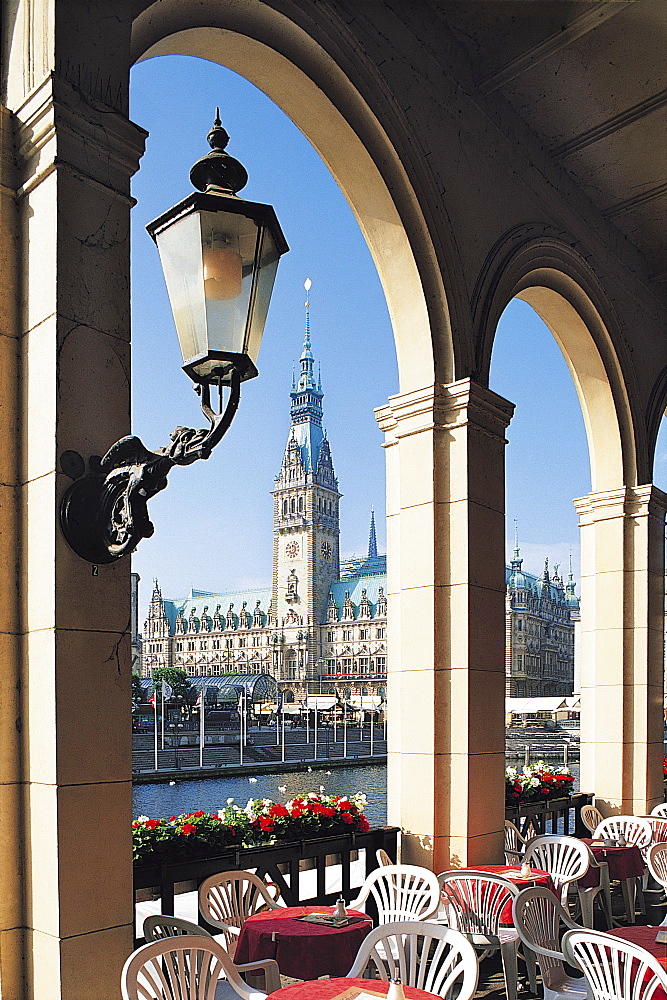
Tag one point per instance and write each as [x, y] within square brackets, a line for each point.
[557, 816]
[280, 862]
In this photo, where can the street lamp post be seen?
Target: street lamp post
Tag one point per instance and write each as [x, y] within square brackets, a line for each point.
[219, 255]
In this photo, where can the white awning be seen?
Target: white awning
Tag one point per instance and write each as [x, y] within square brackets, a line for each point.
[370, 702]
[322, 702]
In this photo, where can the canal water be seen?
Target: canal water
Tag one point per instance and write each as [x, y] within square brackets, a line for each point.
[211, 794]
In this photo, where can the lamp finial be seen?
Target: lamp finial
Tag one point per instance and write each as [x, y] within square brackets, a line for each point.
[218, 172]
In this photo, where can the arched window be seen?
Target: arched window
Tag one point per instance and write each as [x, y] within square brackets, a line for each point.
[293, 505]
[300, 505]
[284, 508]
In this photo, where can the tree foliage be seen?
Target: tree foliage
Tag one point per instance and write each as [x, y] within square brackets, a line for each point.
[176, 678]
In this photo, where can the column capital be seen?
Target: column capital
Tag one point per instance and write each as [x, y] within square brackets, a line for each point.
[444, 407]
[627, 500]
[57, 127]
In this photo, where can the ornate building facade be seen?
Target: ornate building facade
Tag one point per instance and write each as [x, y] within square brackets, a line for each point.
[540, 620]
[321, 626]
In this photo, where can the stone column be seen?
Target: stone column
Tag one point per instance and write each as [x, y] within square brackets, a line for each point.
[75, 158]
[11, 789]
[622, 621]
[446, 586]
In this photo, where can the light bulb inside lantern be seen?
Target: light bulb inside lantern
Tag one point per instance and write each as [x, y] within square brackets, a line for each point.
[222, 273]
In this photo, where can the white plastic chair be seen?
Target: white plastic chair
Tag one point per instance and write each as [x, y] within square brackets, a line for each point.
[187, 967]
[613, 967]
[515, 844]
[588, 894]
[401, 892]
[161, 925]
[591, 817]
[422, 954]
[657, 863]
[658, 826]
[537, 916]
[565, 858]
[637, 832]
[660, 809]
[229, 898]
[474, 902]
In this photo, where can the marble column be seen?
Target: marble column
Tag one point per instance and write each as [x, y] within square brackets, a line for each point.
[446, 584]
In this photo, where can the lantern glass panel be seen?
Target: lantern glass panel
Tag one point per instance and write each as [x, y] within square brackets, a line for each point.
[181, 257]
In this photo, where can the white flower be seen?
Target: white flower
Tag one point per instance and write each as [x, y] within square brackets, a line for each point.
[230, 802]
[535, 782]
[142, 819]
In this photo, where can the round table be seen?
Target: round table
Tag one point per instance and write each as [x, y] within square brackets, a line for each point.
[328, 989]
[302, 950]
[624, 862]
[645, 938]
[513, 874]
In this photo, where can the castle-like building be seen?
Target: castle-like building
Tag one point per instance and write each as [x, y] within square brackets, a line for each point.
[321, 626]
[541, 615]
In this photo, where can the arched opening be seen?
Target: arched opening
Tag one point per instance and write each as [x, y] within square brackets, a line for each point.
[619, 525]
[287, 66]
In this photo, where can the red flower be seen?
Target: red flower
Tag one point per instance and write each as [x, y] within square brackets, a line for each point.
[171, 819]
[266, 823]
[152, 823]
[188, 828]
[346, 818]
[277, 810]
[364, 825]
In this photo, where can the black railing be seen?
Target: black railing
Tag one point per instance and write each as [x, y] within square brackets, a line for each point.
[280, 862]
[557, 816]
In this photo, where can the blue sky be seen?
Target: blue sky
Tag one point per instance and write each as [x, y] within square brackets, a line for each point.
[214, 521]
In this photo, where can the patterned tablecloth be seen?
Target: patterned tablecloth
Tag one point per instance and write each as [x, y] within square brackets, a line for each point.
[302, 950]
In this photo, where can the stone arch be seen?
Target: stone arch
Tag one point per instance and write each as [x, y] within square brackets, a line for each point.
[564, 292]
[310, 87]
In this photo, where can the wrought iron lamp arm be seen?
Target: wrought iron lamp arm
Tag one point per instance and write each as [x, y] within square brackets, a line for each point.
[104, 514]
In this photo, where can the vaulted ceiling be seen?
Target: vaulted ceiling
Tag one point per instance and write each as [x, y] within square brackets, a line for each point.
[590, 80]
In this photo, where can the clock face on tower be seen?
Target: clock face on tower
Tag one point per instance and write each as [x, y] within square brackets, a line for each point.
[292, 550]
[325, 550]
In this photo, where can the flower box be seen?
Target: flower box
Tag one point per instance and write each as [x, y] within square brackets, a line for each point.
[262, 822]
[537, 783]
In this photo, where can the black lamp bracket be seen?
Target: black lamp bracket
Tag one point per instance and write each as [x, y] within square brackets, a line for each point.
[104, 514]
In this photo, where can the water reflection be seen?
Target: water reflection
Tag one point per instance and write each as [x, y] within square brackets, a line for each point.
[211, 794]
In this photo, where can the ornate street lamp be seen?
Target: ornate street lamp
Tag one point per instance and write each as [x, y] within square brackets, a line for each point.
[219, 254]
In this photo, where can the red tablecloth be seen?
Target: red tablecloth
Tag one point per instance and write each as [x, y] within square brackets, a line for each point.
[624, 862]
[645, 938]
[302, 950]
[327, 989]
[513, 874]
